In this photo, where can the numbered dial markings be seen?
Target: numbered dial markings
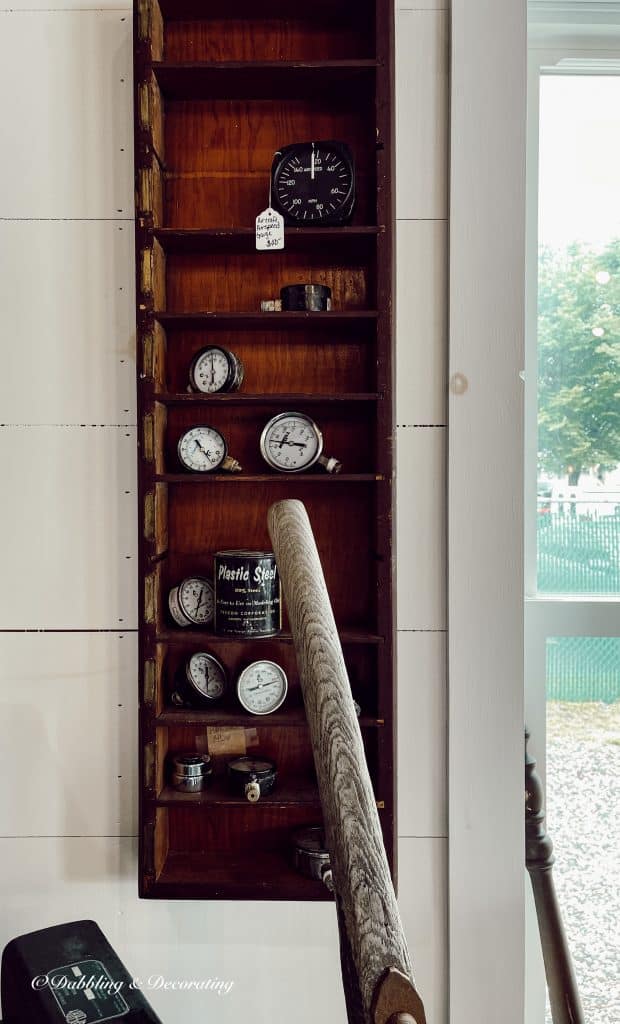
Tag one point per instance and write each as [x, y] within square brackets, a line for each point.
[262, 687]
[215, 369]
[192, 601]
[202, 449]
[206, 675]
[314, 181]
[291, 442]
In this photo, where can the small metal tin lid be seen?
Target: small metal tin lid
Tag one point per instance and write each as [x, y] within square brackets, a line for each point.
[191, 765]
[241, 553]
[311, 297]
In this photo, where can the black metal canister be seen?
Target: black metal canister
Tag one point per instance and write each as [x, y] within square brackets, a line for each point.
[313, 298]
[247, 594]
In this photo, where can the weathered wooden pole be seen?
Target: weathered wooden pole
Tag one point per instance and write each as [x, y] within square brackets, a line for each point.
[376, 969]
[561, 982]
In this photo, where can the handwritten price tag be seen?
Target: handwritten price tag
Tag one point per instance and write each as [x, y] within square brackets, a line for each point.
[269, 230]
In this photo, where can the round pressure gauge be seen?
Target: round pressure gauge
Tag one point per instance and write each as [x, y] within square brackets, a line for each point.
[252, 777]
[192, 602]
[311, 856]
[215, 369]
[202, 449]
[203, 680]
[292, 443]
[313, 181]
[261, 687]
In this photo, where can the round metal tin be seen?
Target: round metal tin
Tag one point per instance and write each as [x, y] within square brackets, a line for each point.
[248, 599]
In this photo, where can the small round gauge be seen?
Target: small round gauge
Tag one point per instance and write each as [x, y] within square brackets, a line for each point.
[292, 443]
[314, 181]
[206, 675]
[252, 777]
[202, 449]
[214, 370]
[262, 687]
[192, 601]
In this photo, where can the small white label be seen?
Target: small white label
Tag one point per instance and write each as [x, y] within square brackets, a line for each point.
[269, 230]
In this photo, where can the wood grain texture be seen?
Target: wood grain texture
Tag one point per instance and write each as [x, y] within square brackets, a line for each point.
[353, 831]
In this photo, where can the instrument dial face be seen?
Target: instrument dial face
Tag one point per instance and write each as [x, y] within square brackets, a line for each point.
[206, 675]
[314, 181]
[251, 765]
[202, 449]
[197, 600]
[211, 371]
[262, 687]
[291, 442]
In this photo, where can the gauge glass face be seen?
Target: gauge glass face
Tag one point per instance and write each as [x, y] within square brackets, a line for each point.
[291, 442]
[202, 449]
[196, 599]
[211, 370]
[262, 687]
[251, 765]
[207, 675]
[314, 182]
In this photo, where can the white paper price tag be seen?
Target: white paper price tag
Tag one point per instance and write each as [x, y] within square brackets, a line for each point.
[269, 230]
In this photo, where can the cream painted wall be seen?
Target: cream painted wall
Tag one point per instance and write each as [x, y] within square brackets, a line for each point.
[68, 605]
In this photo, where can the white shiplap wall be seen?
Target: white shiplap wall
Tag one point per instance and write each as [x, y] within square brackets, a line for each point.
[68, 605]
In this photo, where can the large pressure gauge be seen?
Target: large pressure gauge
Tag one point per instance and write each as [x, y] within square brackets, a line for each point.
[202, 449]
[291, 442]
[214, 370]
[261, 687]
[313, 182]
[192, 602]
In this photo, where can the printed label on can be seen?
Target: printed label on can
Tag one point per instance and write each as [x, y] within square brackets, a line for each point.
[247, 594]
[85, 992]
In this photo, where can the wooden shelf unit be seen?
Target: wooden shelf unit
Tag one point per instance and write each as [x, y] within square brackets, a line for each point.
[219, 87]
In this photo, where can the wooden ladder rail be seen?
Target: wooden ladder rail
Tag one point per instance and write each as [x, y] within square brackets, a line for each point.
[561, 982]
[376, 969]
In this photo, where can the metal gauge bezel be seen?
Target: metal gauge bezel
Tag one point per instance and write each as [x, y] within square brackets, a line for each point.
[179, 589]
[201, 426]
[346, 207]
[269, 427]
[195, 691]
[244, 675]
[235, 370]
[245, 777]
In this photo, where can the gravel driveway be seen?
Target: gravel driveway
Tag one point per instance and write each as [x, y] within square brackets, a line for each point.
[583, 816]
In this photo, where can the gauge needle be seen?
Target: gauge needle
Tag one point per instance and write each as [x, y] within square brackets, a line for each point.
[312, 165]
[212, 371]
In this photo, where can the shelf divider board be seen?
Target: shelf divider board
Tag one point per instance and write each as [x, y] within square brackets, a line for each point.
[223, 72]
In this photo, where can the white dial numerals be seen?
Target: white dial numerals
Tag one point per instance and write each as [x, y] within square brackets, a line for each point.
[202, 449]
[196, 600]
[207, 675]
[291, 443]
[262, 687]
[211, 371]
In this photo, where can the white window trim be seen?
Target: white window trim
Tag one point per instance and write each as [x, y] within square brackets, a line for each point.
[487, 225]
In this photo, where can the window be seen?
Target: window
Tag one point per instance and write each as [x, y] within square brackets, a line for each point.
[572, 499]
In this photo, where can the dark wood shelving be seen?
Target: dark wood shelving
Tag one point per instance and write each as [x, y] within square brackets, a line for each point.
[210, 875]
[193, 638]
[242, 239]
[279, 398]
[262, 80]
[209, 321]
[290, 791]
[267, 478]
[289, 718]
[220, 88]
